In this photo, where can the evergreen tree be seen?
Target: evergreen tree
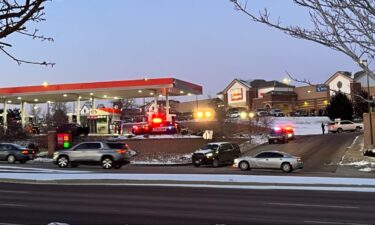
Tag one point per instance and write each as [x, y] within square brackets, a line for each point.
[340, 106]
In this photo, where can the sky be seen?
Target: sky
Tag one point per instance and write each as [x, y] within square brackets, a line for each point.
[206, 42]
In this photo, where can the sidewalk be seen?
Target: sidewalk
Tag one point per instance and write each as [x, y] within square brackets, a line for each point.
[354, 162]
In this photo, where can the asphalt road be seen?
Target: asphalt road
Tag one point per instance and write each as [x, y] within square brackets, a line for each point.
[320, 153]
[42, 204]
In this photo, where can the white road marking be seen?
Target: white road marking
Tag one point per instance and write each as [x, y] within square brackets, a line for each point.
[319, 206]
[12, 205]
[338, 223]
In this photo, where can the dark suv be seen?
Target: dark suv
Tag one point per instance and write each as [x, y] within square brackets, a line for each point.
[216, 154]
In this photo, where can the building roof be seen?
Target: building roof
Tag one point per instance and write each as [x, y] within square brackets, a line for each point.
[100, 90]
[345, 74]
[260, 83]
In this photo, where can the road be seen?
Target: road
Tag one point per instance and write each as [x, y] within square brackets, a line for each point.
[320, 154]
[42, 204]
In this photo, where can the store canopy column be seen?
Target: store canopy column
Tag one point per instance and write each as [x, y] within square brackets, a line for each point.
[5, 113]
[167, 106]
[78, 110]
[23, 113]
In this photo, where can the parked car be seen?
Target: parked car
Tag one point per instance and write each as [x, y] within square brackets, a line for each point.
[276, 113]
[261, 112]
[278, 135]
[216, 154]
[340, 126]
[92, 153]
[13, 153]
[269, 160]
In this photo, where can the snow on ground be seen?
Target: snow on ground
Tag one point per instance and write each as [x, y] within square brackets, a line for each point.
[222, 178]
[162, 159]
[303, 125]
[164, 136]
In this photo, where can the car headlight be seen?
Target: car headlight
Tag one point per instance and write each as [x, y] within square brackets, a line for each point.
[235, 161]
[208, 155]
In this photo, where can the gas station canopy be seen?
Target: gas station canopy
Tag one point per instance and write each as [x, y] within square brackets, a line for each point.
[99, 90]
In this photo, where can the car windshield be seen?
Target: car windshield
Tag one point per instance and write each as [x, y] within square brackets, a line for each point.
[210, 147]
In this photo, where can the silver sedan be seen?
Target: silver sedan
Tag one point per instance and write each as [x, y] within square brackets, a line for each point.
[269, 160]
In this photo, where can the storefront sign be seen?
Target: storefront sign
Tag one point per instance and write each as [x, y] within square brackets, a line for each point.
[236, 94]
[321, 88]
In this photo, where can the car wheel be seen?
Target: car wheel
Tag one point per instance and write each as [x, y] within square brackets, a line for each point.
[357, 129]
[11, 159]
[286, 167]
[216, 163]
[244, 166]
[339, 130]
[63, 162]
[107, 163]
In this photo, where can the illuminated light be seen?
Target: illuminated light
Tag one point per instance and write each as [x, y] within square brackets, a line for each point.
[243, 115]
[48, 102]
[207, 114]
[199, 114]
[189, 94]
[45, 84]
[160, 95]
[305, 103]
[157, 120]
[105, 96]
[65, 95]
[181, 92]
[251, 115]
[35, 107]
[309, 91]
[288, 128]
[19, 98]
[80, 97]
[9, 101]
[277, 128]
[35, 100]
[121, 151]
[115, 97]
[151, 93]
[66, 144]
[325, 102]
[146, 79]
[139, 91]
[91, 94]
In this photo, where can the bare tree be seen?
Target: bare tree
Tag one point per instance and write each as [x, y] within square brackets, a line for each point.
[347, 26]
[14, 18]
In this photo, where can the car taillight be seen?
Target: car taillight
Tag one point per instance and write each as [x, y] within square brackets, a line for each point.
[126, 145]
[25, 152]
[121, 151]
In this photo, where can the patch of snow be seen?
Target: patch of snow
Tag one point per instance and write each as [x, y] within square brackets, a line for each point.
[303, 125]
[258, 139]
[367, 169]
[162, 136]
[224, 178]
[41, 160]
[358, 164]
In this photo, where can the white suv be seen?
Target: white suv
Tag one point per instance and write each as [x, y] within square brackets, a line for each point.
[340, 126]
